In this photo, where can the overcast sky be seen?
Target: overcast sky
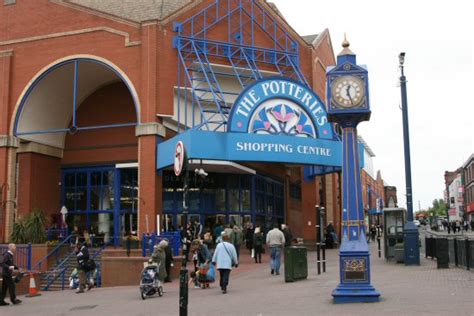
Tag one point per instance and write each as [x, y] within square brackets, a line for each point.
[438, 39]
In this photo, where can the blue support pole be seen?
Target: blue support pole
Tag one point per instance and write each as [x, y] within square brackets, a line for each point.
[410, 231]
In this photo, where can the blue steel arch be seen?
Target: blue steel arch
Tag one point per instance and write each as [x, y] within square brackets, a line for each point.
[74, 128]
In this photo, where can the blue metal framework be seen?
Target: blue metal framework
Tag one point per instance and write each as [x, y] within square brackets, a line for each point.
[198, 80]
[73, 128]
[86, 186]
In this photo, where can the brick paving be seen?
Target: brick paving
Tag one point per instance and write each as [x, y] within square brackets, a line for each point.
[416, 290]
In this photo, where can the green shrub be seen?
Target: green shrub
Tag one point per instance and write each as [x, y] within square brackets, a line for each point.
[19, 233]
[30, 229]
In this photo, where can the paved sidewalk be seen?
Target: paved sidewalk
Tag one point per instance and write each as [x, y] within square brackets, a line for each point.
[418, 290]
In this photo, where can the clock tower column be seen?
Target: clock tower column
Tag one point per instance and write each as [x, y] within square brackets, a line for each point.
[348, 105]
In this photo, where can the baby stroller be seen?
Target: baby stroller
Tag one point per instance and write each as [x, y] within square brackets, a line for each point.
[150, 285]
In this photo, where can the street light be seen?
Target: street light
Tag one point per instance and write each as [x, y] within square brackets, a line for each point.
[410, 231]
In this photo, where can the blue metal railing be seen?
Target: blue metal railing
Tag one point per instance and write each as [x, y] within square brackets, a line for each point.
[55, 252]
[22, 257]
[61, 269]
[149, 241]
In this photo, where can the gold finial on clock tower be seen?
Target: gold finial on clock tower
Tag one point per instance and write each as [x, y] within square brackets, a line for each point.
[346, 50]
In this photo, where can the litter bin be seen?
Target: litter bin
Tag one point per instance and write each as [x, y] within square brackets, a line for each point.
[442, 253]
[296, 263]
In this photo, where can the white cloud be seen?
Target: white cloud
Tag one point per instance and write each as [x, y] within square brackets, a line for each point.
[439, 43]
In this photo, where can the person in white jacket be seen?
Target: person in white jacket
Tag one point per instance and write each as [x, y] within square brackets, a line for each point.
[225, 257]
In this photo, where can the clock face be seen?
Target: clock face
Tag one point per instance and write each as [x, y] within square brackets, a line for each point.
[348, 91]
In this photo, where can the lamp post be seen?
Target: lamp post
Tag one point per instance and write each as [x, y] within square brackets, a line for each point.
[410, 231]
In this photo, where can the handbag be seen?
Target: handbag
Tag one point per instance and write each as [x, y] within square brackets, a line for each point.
[253, 253]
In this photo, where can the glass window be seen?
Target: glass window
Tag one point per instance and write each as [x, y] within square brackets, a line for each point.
[70, 179]
[128, 188]
[81, 179]
[245, 189]
[168, 199]
[81, 199]
[70, 199]
[233, 185]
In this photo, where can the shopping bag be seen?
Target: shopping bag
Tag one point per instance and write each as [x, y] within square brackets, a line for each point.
[211, 274]
[253, 253]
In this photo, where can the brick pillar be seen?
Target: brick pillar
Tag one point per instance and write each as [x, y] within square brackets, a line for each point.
[310, 198]
[8, 146]
[149, 182]
[38, 183]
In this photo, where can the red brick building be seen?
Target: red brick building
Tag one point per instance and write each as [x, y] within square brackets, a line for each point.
[89, 88]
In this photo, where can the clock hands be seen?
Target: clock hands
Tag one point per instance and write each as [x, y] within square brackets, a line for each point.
[349, 94]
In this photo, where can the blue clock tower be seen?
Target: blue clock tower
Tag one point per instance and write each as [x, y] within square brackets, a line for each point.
[348, 105]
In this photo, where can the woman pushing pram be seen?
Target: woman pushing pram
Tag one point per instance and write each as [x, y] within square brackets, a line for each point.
[154, 274]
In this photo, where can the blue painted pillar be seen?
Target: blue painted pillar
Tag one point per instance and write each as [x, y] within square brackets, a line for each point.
[353, 208]
[354, 256]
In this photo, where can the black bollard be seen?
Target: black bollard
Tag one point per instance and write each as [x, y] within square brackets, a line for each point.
[378, 246]
[324, 257]
[318, 253]
[183, 291]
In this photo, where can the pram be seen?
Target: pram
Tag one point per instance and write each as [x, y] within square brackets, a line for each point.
[149, 282]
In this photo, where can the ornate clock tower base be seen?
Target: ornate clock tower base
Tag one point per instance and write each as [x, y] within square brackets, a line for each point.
[355, 284]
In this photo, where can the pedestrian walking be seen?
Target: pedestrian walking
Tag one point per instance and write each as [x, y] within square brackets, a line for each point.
[202, 256]
[209, 241]
[258, 242]
[373, 232]
[82, 257]
[275, 240]
[248, 233]
[237, 239]
[218, 229]
[168, 261]
[225, 257]
[8, 284]
[159, 257]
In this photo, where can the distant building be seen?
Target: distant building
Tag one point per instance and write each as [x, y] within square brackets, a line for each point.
[373, 193]
[454, 194]
[391, 196]
[468, 187]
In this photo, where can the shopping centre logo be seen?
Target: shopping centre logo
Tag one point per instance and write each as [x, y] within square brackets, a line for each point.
[284, 118]
[280, 106]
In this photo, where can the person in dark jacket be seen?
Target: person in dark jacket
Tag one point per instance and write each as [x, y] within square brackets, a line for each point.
[168, 262]
[7, 269]
[82, 256]
[248, 233]
[257, 242]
